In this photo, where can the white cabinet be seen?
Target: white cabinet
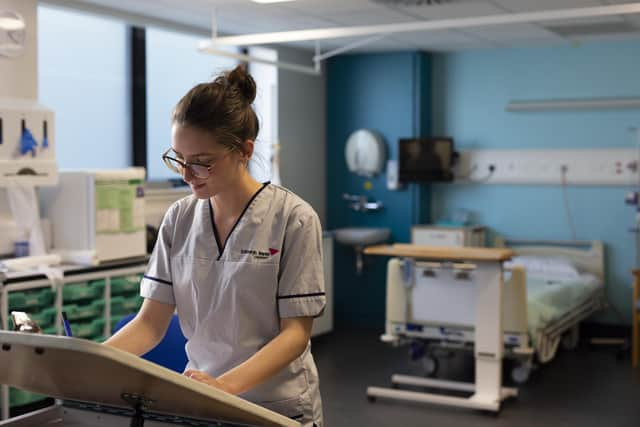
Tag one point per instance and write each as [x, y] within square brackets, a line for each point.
[324, 323]
[431, 235]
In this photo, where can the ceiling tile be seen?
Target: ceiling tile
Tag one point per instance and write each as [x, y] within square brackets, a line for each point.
[453, 10]
[369, 16]
[511, 32]
[423, 38]
[331, 7]
[245, 16]
[538, 5]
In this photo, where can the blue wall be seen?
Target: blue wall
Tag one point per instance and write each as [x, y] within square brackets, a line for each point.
[388, 93]
[470, 91]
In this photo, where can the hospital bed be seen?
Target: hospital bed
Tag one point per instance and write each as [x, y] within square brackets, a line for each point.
[549, 287]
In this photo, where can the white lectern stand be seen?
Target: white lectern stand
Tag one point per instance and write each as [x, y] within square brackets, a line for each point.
[103, 386]
[487, 390]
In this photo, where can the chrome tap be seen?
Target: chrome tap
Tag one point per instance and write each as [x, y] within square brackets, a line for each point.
[361, 203]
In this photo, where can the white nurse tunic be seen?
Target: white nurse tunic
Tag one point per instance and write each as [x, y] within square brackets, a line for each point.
[231, 297]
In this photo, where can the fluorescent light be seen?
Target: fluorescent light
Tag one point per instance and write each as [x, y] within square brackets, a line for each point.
[271, 1]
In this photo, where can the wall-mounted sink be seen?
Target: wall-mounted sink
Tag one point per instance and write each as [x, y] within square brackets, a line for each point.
[359, 237]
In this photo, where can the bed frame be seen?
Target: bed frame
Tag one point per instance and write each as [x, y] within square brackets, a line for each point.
[401, 327]
[588, 256]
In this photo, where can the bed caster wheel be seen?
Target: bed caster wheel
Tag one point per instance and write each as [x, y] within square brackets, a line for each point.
[394, 386]
[371, 399]
[430, 366]
[520, 374]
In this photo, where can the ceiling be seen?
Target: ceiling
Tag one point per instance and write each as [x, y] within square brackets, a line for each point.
[235, 17]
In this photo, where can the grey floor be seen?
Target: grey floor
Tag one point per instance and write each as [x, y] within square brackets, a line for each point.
[585, 387]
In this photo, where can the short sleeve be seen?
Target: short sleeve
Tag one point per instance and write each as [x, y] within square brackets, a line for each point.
[157, 281]
[301, 277]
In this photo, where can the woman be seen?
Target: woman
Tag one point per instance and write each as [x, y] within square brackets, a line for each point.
[241, 261]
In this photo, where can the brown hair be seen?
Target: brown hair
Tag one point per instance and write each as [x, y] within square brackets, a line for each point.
[221, 107]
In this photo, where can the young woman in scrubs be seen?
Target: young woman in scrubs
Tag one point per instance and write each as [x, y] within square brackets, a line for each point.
[240, 261]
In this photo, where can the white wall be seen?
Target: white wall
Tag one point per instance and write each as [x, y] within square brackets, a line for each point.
[302, 130]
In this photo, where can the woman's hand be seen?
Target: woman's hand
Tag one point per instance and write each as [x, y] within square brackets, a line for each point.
[207, 379]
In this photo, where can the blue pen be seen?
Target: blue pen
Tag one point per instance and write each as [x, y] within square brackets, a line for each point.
[67, 326]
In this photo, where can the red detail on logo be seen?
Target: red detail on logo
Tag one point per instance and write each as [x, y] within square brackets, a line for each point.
[273, 251]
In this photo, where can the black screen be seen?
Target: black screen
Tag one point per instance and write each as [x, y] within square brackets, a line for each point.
[425, 159]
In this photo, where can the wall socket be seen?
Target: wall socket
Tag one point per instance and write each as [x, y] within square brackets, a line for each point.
[615, 166]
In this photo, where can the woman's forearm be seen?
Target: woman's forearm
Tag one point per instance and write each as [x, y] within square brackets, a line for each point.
[145, 330]
[271, 358]
[135, 337]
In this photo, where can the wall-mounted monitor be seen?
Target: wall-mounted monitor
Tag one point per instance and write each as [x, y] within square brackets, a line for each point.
[425, 159]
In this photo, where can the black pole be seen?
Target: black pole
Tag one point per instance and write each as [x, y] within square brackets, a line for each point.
[138, 96]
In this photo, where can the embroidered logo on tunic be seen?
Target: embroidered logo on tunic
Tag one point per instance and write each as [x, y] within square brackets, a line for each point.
[259, 254]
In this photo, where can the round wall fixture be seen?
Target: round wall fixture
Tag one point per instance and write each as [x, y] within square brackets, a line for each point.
[365, 153]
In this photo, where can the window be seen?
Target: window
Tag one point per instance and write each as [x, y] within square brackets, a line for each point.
[86, 84]
[173, 67]
[266, 106]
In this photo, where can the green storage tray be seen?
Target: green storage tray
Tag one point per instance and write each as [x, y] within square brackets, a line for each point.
[125, 285]
[117, 306]
[19, 397]
[115, 320]
[88, 330]
[123, 305]
[86, 311]
[22, 301]
[74, 292]
[51, 330]
[45, 318]
[133, 304]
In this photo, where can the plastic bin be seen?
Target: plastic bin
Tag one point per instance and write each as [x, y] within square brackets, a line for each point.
[86, 311]
[51, 330]
[133, 304]
[125, 285]
[19, 397]
[88, 330]
[125, 305]
[45, 318]
[34, 299]
[74, 292]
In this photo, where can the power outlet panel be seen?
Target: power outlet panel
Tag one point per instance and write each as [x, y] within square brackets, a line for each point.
[615, 166]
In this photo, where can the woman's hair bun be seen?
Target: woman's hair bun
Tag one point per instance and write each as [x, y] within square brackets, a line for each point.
[240, 79]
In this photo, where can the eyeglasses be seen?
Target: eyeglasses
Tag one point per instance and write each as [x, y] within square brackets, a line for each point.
[199, 170]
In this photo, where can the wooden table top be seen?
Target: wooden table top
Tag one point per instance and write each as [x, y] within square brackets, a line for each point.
[440, 253]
